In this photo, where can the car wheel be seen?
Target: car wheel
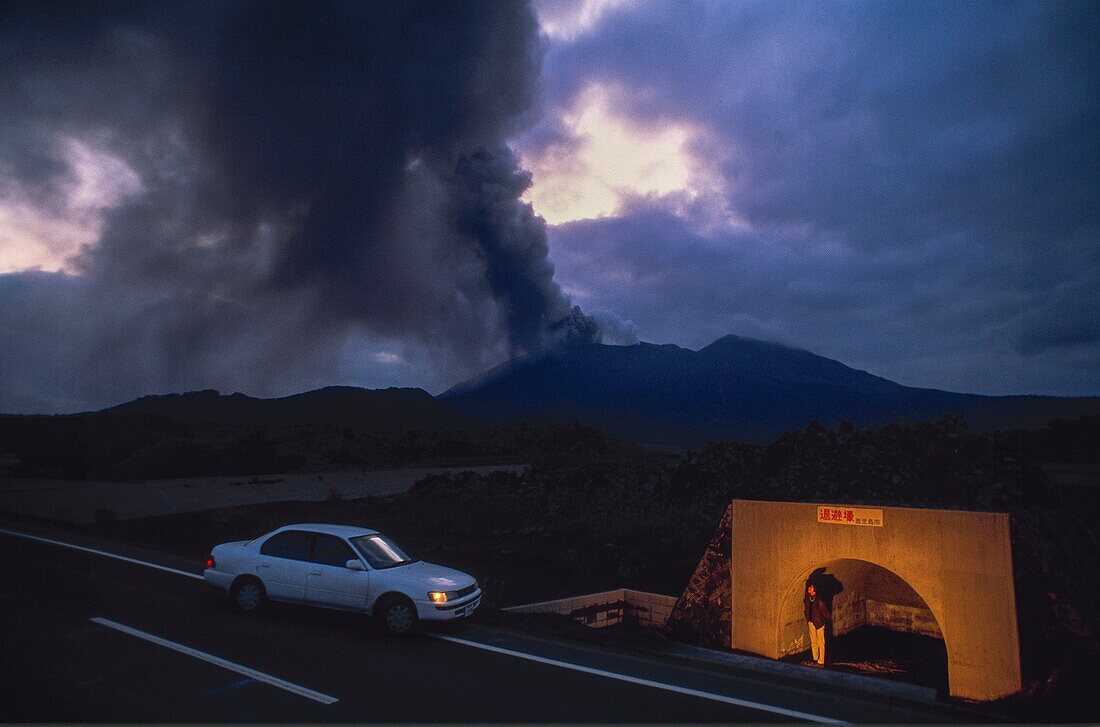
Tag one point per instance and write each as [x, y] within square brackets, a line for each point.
[247, 595]
[397, 615]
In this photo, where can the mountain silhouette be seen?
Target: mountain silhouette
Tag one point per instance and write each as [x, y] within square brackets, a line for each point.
[735, 388]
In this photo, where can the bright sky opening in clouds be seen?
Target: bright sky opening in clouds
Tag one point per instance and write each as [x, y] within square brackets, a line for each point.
[30, 240]
[607, 157]
[566, 19]
[34, 236]
[386, 357]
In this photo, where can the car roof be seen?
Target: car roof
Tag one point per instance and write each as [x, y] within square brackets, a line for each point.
[340, 531]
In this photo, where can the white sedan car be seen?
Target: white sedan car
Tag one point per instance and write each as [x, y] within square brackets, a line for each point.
[342, 567]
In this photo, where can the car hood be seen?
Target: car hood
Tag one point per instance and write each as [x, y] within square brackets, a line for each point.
[434, 577]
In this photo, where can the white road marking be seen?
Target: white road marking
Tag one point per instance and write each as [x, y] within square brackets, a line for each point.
[465, 642]
[104, 553]
[644, 682]
[218, 661]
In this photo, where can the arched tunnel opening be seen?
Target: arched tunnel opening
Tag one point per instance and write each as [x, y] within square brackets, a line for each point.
[880, 625]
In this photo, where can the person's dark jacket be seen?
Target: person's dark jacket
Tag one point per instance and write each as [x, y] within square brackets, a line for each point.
[817, 612]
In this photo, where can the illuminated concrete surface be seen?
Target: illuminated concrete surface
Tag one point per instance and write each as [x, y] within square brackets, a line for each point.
[941, 573]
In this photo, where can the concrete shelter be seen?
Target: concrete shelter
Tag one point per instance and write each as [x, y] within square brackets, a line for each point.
[941, 573]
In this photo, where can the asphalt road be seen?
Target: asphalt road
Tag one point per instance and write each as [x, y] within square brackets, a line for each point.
[163, 647]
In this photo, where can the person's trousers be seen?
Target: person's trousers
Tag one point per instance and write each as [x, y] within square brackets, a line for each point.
[817, 642]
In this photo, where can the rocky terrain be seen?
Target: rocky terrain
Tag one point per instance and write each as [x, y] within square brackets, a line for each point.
[133, 446]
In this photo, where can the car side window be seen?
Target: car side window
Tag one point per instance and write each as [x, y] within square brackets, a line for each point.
[329, 550]
[293, 544]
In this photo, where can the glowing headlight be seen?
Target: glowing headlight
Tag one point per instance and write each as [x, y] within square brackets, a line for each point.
[438, 597]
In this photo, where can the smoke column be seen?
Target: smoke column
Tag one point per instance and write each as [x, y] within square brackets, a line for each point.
[296, 174]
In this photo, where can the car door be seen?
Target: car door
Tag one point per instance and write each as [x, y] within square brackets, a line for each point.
[330, 582]
[283, 564]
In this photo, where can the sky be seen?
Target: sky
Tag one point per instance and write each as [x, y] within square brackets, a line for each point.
[270, 198]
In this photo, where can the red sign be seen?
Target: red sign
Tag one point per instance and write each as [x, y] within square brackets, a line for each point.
[842, 515]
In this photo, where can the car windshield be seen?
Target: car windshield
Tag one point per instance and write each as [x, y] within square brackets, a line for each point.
[380, 551]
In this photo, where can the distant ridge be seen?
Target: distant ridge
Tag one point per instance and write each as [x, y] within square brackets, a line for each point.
[735, 388]
[367, 409]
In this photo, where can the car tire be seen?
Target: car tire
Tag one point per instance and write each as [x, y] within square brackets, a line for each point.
[247, 595]
[396, 615]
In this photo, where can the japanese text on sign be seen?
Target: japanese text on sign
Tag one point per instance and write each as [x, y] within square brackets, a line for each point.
[838, 515]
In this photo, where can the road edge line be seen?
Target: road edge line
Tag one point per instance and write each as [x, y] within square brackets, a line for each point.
[63, 544]
[643, 682]
[218, 661]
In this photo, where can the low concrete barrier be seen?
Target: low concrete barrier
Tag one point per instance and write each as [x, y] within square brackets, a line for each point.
[608, 608]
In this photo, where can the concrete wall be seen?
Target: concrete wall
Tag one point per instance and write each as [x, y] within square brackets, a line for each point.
[952, 569]
[608, 608]
[903, 618]
[648, 609]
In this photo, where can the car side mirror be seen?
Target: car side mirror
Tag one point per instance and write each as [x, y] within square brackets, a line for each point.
[354, 564]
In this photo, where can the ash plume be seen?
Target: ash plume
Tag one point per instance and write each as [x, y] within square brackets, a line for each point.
[512, 241]
[307, 174]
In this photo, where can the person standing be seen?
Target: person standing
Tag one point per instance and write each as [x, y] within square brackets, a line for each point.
[817, 618]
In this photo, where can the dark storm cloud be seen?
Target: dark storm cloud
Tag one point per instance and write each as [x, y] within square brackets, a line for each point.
[1058, 323]
[311, 174]
[913, 184]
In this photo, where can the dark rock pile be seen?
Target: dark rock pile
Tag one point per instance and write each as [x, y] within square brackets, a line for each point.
[921, 465]
[1056, 562]
[702, 615]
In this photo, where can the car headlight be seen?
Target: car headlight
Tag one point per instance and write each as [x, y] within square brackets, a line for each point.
[438, 597]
